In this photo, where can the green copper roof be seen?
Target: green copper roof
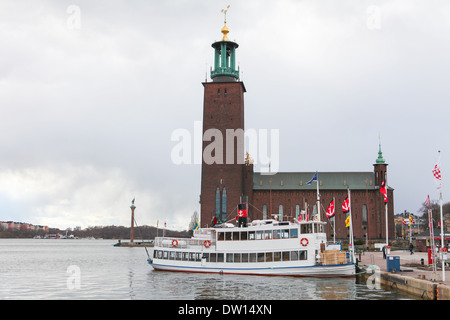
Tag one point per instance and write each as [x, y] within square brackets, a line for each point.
[327, 181]
[380, 159]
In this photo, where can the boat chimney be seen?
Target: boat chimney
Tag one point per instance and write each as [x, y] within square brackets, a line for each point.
[242, 215]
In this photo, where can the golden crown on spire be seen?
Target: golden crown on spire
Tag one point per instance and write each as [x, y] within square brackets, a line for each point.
[225, 29]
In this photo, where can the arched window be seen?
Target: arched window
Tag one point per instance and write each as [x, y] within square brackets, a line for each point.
[218, 203]
[364, 214]
[280, 212]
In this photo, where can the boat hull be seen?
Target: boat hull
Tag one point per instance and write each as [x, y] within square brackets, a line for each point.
[341, 270]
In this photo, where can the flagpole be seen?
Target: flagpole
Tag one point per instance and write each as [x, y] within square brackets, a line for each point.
[430, 225]
[387, 236]
[318, 197]
[442, 220]
[351, 225]
[442, 240]
[334, 221]
[410, 224]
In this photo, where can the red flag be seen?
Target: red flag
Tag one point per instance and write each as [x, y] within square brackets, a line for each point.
[346, 205]
[437, 173]
[427, 202]
[384, 192]
[330, 210]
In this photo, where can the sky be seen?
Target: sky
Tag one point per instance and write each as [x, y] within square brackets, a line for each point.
[91, 93]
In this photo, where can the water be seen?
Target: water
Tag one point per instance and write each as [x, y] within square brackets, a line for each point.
[95, 270]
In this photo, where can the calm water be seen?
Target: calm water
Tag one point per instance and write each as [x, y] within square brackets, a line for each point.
[94, 269]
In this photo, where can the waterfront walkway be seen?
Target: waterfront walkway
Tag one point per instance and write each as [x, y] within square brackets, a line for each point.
[410, 265]
[410, 268]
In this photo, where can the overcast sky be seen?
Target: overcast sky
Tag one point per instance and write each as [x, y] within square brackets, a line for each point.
[91, 92]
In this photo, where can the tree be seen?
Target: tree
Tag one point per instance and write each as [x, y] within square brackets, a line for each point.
[194, 220]
[435, 211]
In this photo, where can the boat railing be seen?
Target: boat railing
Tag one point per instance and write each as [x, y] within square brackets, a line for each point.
[183, 243]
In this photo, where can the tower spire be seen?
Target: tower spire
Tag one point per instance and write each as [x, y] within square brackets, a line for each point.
[225, 56]
[225, 29]
[380, 159]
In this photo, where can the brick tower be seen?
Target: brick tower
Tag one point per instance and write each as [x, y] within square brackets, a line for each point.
[223, 165]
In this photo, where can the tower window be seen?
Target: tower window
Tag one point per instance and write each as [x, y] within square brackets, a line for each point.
[217, 203]
[218, 92]
[224, 204]
[225, 94]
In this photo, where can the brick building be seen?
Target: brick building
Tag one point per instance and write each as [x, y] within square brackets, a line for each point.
[228, 179]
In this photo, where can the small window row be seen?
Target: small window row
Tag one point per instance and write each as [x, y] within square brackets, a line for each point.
[233, 257]
[257, 235]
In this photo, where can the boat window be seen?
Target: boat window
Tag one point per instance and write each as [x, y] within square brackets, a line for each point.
[268, 235]
[206, 256]
[185, 256]
[269, 256]
[220, 257]
[251, 235]
[212, 257]
[294, 255]
[179, 254]
[277, 256]
[172, 255]
[285, 233]
[294, 233]
[220, 236]
[244, 257]
[198, 256]
[259, 235]
[303, 255]
[236, 236]
[276, 234]
[286, 255]
[260, 256]
[228, 236]
[252, 257]
[237, 257]
[166, 255]
[191, 256]
[155, 254]
[319, 228]
[306, 228]
[230, 257]
[244, 235]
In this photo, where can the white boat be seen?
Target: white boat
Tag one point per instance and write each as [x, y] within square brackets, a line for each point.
[265, 247]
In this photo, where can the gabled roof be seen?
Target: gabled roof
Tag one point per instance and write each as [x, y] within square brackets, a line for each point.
[327, 181]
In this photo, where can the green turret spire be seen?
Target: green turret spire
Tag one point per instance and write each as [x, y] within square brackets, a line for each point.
[225, 57]
[380, 159]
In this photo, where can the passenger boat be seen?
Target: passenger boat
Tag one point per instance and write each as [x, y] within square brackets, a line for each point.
[263, 247]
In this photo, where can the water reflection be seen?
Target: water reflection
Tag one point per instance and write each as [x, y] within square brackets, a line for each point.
[171, 285]
[36, 269]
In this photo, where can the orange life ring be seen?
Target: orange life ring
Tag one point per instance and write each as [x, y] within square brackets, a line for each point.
[207, 243]
[174, 242]
[304, 242]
